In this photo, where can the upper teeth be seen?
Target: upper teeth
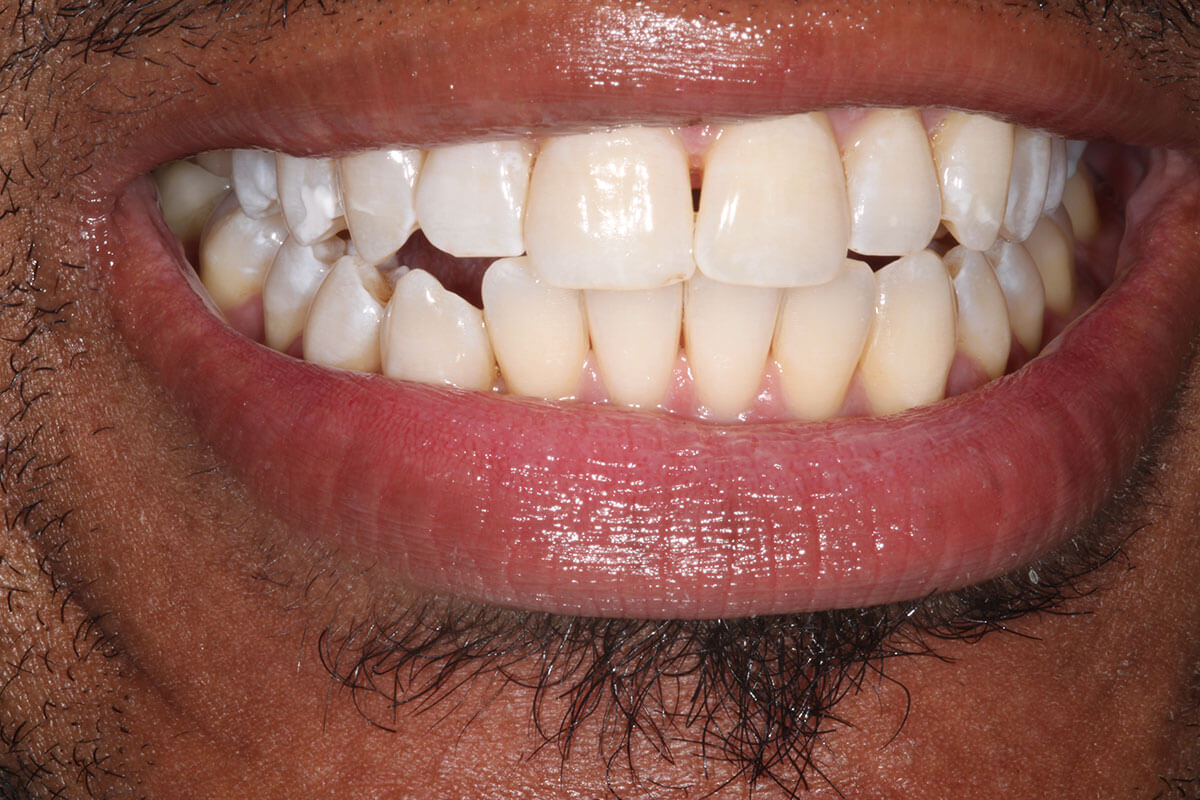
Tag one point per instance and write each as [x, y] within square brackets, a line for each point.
[613, 260]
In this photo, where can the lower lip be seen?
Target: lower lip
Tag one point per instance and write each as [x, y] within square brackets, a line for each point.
[597, 511]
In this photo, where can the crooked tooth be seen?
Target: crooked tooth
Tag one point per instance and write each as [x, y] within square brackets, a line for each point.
[727, 333]
[538, 332]
[254, 182]
[635, 336]
[471, 198]
[1024, 293]
[773, 206]
[911, 344]
[819, 339]
[310, 197]
[379, 194]
[1053, 251]
[291, 283]
[1027, 186]
[895, 202]
[983, 330]
[235, 253]
[611, 210]
[1057, 181]
[188, 194]
[1079, 200]
[974, 156]
[343, 324]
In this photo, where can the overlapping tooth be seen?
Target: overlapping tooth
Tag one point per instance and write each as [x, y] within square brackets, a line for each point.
[1056, 183]
[471, 198]
[635, 336]
[434, 336]
[891, 183]
[379, 195]
[819, 339]
[911, 345]
[974, 156]
[291, 283]
[538, 332]
[1024, 293]
[187, 194]
[343, 324]
[235, 253]
[983, 330]
[1079, 200]
[255, 183]
[773, 205]
[1053, 251]
[310, 197]
[1027, 185]
[611, 210]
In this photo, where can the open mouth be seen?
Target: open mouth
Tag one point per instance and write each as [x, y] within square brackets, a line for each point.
[769, 351]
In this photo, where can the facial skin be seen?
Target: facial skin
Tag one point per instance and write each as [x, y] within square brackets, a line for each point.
[167, 635]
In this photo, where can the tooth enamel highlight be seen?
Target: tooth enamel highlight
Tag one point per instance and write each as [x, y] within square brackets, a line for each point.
[974, 156]
[235, 254]
[773, 206]
[727, 334]
[892, 186]
[635, 336]
[911, 344]
[1080, 203]
[1027, 186]
[538, 332]
[1024, 293]
[471, 198]
[254, 182]
[434, 336]
[291, 283]
[344, 321]
[1056, 183]
[187, 195]
[611, 210]
[1053, 251]
[310, 197]
[379, 194]
[819, 339]
[983, 330]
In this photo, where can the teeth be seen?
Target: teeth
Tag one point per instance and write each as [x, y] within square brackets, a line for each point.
[1054, 253]
[773, 207]
[912, 340]
[1075, 151]
[311, 199]
[611, 210]
[1024, 293]
[343, 324]
[188, 194]
[379, 193]
[1027, 187]
[895, 202]
[218, 162]
[819, 339]
[1080, 202]
[471, 198]
[727, 333]
[1057, 181]
[635, 335]
[254, 182]
[434, 336]
[235, 254]
[292, 282]
[983, 329]
[539, 332]
[974, 156]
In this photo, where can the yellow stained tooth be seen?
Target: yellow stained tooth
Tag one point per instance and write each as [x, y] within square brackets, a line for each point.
[1053, 250]
[1080, 202]
[235, 253]
[188, 194]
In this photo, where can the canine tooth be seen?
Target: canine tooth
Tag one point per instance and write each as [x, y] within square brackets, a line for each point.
[254, 182]
[727, 333]
[974, 156]
[346, 314]
[1057, 182]
[635, 336]
[611, 210]
[1054, 253]
[235, 254]
[218, 162]
[539, 332]
[291, 283]
[1027, 186]
[188, 194]
[378, 193]
[434, 336]
[1024, 293]
[983, 329]
[309, 194]
[1080, 202]
[895, 202]
[773, 207]
[471, 198]
[819, 339]
[911, 344]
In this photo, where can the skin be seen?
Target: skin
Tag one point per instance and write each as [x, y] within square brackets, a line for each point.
[161, 633]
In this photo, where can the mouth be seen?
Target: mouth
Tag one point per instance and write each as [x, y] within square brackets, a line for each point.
[863, 353]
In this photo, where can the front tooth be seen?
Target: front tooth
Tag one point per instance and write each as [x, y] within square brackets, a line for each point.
[611, 210]
[1080, 202]
[819, 339]
[1024, 293]
[1053, 251]
[235, 253]
[895, 202]
[292, 282]
[254, 182]
[188, 194]
[471, 198]
[773, 206]
[635, 336]
[434, 336]
[379, 192]
[1057, 182]
[983, 330]
[1027, 187]
[911, 344]
[311, 199]
[344, 321]
[974, 156]
[539, 332]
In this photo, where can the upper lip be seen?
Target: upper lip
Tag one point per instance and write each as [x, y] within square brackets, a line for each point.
[608, 512]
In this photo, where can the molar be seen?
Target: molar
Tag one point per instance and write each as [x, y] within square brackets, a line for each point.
[235, 252]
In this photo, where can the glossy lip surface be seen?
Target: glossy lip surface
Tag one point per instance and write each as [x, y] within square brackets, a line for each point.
[601, 511]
